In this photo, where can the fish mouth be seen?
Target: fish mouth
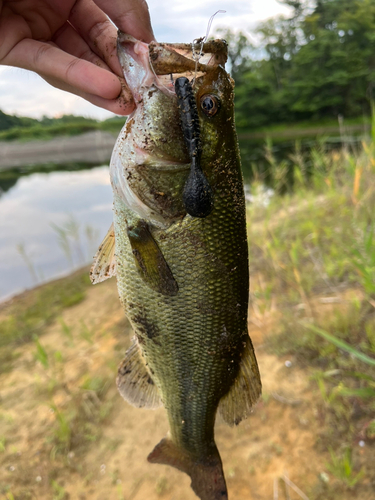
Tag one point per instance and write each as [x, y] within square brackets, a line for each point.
[155, 63]
[167, 58]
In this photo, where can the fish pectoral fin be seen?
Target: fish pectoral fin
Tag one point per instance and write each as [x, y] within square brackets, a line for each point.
[134, 381]
[104, 265]
[237, 404]
[206, 473]
[150, 260]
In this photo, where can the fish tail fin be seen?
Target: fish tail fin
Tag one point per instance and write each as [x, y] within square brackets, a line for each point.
[207, 477]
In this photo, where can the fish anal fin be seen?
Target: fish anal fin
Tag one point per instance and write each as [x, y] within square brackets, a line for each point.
[207, 477]
[135, 382]
[237, 404]
[150, 260]
[104, 265]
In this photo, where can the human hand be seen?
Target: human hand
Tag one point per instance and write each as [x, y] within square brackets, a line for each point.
[72, 44]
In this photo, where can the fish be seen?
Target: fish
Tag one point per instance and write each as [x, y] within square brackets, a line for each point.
[178, 247]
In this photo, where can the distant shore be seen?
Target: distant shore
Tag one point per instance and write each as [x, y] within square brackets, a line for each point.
[96, 147]
[92, 147]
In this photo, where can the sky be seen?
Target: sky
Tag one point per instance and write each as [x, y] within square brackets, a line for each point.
[24, 93]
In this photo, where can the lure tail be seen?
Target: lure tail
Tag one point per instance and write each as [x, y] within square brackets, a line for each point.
[207, 477]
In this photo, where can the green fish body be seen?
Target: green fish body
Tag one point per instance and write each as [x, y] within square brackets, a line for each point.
[183, 280]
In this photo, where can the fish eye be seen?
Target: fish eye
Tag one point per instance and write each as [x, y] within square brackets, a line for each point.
[210, 104]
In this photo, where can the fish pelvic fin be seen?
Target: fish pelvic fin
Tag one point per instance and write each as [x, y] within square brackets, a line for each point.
[134, 381]
[207, 477]
[104, 265]
[238, 403]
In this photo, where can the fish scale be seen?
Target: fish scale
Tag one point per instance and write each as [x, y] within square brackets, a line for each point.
[185, 329]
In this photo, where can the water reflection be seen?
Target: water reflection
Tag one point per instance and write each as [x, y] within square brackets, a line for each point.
[9, 178]
[30, 248]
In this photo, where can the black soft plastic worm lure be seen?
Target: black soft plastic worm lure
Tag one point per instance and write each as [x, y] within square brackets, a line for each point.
[197, 195]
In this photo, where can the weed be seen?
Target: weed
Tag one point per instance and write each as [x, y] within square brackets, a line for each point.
[78, 422]
[312, 249]
[162, 486]
[2, 444]
[62, 434]
[97, 385]
[328, 397]
[120, 494]
[370, 431]
[364, 258]
[29, 263]
[30, 314]
[341, 466]
[41, 354]
[341, 344]
[66, 330]
[92, 236]
[86, 333]
[69, 239]
[59, 492]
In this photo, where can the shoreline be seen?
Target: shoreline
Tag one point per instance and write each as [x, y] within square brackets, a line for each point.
[22, 295]
[91, 147]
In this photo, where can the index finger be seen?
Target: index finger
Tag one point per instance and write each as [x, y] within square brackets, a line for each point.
[131, 16]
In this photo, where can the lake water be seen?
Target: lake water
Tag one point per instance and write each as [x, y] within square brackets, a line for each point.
[50, 224]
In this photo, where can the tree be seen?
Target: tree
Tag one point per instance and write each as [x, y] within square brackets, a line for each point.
[317, 63]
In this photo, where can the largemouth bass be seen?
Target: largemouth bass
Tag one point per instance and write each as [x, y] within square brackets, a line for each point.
[179, 249]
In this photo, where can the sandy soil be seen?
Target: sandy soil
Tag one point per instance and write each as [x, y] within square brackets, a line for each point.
[278, 439]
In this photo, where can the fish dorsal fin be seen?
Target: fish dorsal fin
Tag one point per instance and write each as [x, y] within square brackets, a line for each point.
[150, 260]
[134, 381]
[104, 265]
[237, 404]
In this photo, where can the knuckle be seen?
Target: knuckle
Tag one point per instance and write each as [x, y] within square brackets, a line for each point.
[70, 68]
[41, 53]
[99, 29]
[86, 54]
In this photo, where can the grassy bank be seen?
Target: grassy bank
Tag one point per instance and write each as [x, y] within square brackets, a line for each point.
[308, 128]
[28, 316]
[313, 287]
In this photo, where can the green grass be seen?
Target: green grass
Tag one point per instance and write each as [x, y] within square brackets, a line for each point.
[27, 317]
[312, 263]
[341, 466]
[79, 421]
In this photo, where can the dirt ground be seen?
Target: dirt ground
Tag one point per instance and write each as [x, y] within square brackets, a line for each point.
[278, 440]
